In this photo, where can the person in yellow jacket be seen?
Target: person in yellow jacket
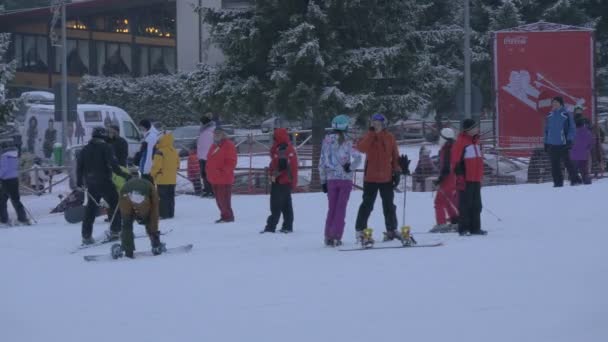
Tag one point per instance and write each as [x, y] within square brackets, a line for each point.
[164, 171]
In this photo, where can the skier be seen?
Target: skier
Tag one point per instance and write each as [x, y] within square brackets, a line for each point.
[203, 143]
[147, 148]
[139, 202]
[119, 145]
[382, 174]
[467, 163]
[164, 170]
[9, 182]
[336, 164]
[560, 131]
[96, 162]
[283, 172]
[220, 165]
[581, 151]
[446, 200]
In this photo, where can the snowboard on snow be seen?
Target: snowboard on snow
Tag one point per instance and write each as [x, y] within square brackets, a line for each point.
[421, 245]
[141, 254]
[76, 214]
[102, 240]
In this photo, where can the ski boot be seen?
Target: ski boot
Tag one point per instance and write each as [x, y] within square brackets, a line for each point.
[88, 241]
[391, 235]
[365, 237]
[406, 236]
[441, 228]
[329, 242]
[117, 252]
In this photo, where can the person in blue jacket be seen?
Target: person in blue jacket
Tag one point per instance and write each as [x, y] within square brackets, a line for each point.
[560, 132]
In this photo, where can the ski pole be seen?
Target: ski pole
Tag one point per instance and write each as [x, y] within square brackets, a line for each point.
[491, 213]
[404, 197]
[30, 214]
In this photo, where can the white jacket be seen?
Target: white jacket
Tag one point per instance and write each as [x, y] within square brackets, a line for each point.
[150, 138]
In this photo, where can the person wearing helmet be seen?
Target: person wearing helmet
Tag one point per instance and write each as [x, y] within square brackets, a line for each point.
[446, 200]
[338, 160]
[382, 174]
[95, 165]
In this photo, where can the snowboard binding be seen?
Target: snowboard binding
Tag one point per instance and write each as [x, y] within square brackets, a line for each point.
[116, 251]
[406, 236]
[366, 238]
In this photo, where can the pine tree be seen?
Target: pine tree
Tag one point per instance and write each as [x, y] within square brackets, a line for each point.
[505, 16]
[7, 72]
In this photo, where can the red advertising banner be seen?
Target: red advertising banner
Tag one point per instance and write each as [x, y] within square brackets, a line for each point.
[530, 69]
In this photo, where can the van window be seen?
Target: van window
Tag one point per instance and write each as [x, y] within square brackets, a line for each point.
[130, 131]
[92, 116]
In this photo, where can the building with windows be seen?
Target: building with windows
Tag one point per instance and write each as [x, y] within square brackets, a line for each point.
[112, 37]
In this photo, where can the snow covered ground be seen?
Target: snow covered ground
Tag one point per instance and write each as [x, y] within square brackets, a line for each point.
[540, 275]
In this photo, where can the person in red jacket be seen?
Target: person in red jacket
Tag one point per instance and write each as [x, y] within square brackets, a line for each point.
[467, 163]
[446, 201]
[221, 162]
[283, 171]
[194, 171]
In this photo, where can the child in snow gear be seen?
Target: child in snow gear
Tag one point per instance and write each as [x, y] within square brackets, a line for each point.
[146, 151]
[9, 182]
[139, 202]
[337, 161]
[164, 171]
[382, 174]
[220, 165]
[560, 131]
[283, 172]
[194, 171]
[580, 152]
[96, 162]
[467, 163]
[203, 144]
[424, 169]
[446, 200]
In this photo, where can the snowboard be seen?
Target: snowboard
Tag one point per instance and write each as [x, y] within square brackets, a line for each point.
[102, 241]
[76, 214]
[142, 254]
[422, 245]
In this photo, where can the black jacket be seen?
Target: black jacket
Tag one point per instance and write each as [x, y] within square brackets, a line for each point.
[96, 162]
[121, 150]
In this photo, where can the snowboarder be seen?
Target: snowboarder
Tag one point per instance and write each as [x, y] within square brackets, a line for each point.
[96, 162]
[139, 202]
[147, 148]
[164, 170]
[382, 174]
[467, 163]
[119, 145]
[446, 200]
[560, 131]
[203, 143]
[9, 182]
[337, 162]
[220, 165]
[581, 151]
[283, 172]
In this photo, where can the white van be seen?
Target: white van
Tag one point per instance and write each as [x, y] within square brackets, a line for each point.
[37, 137]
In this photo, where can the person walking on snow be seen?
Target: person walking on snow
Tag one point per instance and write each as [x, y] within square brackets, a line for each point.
[120, 146]
[560, 131]
[139, 202]
[467, 164]
[164, 171]
[203, 143]
[151, 136]
[283, 172]
[446, 200]
[581, 151]
[95, 165]
[382, 174]
[9, 182]
[220, 165]
[336, 164]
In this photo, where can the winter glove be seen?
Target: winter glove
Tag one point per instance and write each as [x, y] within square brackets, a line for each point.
[282, 164]
[396, 179]
[460, 183]
[404, 163]
[324, 187]
[346, 167]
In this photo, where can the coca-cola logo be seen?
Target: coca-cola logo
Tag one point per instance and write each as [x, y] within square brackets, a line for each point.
[515, 40]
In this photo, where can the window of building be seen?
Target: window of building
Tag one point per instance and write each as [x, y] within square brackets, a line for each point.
[157, 22]
[78, 57]
[31, 53]
[80, 24]
[113, 58]
[232, 4]
[157, 60]
[118, 23]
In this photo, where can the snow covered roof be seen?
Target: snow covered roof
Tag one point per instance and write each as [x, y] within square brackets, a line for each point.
[545, 26]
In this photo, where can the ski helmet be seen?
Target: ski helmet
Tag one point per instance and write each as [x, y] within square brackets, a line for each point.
[99, 132]
[447, 133]
[340, 122]
[379, 117]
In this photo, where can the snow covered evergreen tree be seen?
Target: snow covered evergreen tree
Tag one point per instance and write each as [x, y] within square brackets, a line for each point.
[7, 72]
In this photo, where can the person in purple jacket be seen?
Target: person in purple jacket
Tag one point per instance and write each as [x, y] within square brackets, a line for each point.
[581, 151]
[9, 180]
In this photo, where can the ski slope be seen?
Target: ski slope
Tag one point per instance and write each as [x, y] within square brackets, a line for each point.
[540, 275]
